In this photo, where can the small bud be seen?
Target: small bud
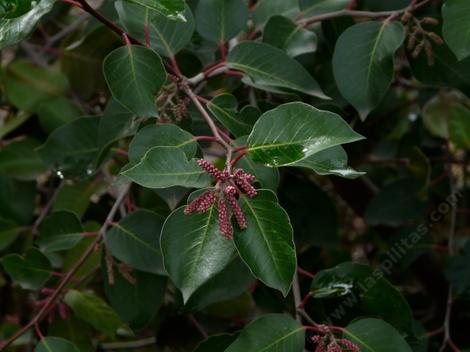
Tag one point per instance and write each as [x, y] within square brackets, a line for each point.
[348, 345]
[230, 190]
[212, 170]
[333, 347]
[237, 211]
[430, 20]
[435, 38]
[205, 201]
[418, 49]
[411, 41]
[225, 226]
[192, 207]
[429, 53]
[244, 180]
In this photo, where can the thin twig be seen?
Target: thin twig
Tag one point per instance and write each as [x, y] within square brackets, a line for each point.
[352, 13]
[297, 297]
[69, 275]
[46, 208]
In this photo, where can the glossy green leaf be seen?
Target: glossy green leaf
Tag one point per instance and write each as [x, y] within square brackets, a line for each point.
[94, 310]
[172, 9]
[284, 34]
[75, 197]
[225, 108]
[295, 131]
[332, 161]
[270, 333]
[267, 245]
[57, 112]
[164, 167]
[364, 57]
[436, 115]
[135, 241]
[267, 177]
[28, 86]
[30, 271]
[271, 68]
[74, 330]
[318, 7]
[59, 231]
[135, 75]
[53, 344]
[138, 302]
[19, 159]
[371, 289]
[14, 30]
[268, 8]
[167, 36]
[456, 16]
[221, 20]
[117, 123]
[193, 249]
[459, 127]
[228, 284]
[71, 150]
[375, 335]
[161, 136]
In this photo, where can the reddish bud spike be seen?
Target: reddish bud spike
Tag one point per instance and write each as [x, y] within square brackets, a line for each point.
[206, 201]
[212, 170]
[237, 211]
[225, 226]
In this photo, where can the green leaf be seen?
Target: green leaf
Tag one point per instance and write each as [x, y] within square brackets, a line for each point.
[267, 177]
[57, 112]
[135, 75]
[136, 303]
[94, 310]
[30, 271]
[397, 204]
[370, 288]
[71, 150]
[167, 37]
[14, 30]
[216, 343]
[172, 9]
[75, 331]
[267, 245]
[228, 284]
[9, 231]
[55, 344]
[28, 86]
[117, 123]
[270, 333]
[271, 68]
[84, 59]
[456, 16]
[318, 7]
[284, 34]
[193, 249]
[76, 197]
[375, 335]
[295, 131]
[267, 8]
[19, 159]
[363, 57]
[134, 240]
[225, 108]
[17, 200]
[221, 20]
[459, 127]
[59, 231]
[331, 161]
[161, 136]
[435, 115]
[164, 167]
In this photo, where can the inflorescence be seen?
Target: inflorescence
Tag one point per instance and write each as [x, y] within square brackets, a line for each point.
[230, 184]
[327, 342]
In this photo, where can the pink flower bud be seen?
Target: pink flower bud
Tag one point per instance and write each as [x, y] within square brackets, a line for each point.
[212, 170]
[205, 201]
[237, 211]
[225, 226]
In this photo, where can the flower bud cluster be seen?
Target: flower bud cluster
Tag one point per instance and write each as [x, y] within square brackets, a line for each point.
[228, 187]
[325, 341]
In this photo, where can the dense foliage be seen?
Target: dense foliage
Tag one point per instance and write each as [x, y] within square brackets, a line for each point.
[174, 175]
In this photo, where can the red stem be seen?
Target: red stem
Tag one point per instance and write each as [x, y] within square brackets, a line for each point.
[206, 138]
[72, 2]
[202, 100]
[213, 68]
[305, 300]
[305, 273]
[224, 135]
[239, 149]
[126, 39]
[176, 68]
[147, 35]
[234, 73]
[238, 158]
